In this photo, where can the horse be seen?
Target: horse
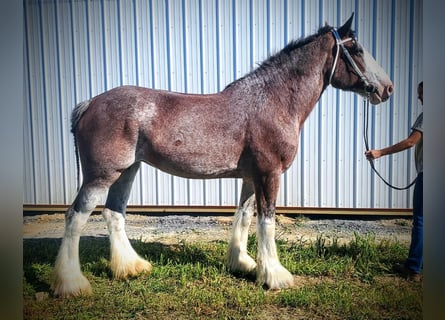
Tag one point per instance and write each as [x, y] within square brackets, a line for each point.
[249, 130]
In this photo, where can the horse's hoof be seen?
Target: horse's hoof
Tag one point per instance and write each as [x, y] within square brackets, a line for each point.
[275, 277]
[240, 262]
[72, 287]
[130, 269]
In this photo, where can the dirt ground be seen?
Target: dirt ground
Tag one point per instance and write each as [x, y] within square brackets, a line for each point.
[171, 229]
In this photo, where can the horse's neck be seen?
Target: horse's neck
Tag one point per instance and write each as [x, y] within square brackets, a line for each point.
[307, 100]
[307, 90]
[298, 95]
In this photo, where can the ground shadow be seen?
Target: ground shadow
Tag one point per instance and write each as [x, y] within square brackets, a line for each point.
[39, 256]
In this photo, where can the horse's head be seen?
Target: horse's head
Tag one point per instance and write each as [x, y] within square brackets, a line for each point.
[355, 69]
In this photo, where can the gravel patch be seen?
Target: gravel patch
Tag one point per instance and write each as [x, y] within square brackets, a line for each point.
[170, 229]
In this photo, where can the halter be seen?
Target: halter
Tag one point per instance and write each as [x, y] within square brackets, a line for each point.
[340, 43]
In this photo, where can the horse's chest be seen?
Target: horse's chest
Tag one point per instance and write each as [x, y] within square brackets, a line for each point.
[276, 147]
[288, 153]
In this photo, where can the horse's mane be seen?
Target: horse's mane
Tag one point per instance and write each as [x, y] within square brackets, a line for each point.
[295, 44]
[283, 55]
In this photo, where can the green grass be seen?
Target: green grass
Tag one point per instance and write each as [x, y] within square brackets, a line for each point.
[190, 281]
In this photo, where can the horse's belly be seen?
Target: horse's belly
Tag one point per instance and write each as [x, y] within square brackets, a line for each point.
[197, 164]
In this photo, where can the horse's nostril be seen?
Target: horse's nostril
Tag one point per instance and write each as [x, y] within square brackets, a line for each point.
[390, 89]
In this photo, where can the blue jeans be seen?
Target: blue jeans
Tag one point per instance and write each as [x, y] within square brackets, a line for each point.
[415, 256]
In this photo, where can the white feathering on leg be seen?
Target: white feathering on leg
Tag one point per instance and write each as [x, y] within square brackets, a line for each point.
[125, 261]
[237, 257]
[269, 269]
[68, 279]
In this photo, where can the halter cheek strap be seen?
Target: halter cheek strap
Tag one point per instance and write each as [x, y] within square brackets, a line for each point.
[340, 43]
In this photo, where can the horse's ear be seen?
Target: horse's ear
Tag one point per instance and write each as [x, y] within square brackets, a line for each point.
[344, 30]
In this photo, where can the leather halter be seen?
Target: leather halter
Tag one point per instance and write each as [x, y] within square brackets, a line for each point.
[340, 43]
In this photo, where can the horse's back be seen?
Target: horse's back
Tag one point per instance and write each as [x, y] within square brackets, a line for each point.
[188, 135]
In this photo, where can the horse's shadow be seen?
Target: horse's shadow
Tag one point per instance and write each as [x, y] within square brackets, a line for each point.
[39, 256]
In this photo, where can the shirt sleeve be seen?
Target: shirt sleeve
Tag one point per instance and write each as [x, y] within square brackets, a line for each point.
[418, 124]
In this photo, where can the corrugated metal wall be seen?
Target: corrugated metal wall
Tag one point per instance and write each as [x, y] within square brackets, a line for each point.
[77, 49]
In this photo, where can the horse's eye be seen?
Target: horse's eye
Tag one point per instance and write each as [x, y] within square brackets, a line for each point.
[358, 50]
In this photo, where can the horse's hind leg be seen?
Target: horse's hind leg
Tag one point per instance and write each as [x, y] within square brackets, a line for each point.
[124, 260]
[238, 259]
[68, 279]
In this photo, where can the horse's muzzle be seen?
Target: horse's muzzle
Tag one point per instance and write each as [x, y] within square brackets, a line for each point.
[379, 93]
[387, 92]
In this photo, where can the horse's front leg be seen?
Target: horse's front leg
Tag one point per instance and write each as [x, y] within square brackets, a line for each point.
[238, 260]
[269, 269]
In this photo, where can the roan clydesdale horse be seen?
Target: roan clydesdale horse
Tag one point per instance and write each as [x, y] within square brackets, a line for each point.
[250, 130]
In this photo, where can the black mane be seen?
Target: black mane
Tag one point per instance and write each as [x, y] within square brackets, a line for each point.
[295, 44]
[283, 55]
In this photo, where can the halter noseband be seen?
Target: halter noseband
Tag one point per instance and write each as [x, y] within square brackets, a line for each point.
[340, 43]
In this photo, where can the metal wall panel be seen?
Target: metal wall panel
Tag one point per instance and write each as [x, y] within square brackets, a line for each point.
[76, 49]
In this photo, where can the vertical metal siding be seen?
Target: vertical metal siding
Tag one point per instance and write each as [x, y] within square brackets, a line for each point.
[78, 49]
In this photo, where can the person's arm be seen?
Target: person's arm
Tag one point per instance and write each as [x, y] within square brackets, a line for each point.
[409, 142]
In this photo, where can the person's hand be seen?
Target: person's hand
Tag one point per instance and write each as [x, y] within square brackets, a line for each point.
[373, 154]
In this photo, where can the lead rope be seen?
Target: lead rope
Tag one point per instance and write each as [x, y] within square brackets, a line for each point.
[365, 138]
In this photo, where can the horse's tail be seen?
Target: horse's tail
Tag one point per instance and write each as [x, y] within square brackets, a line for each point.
[75, 118]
